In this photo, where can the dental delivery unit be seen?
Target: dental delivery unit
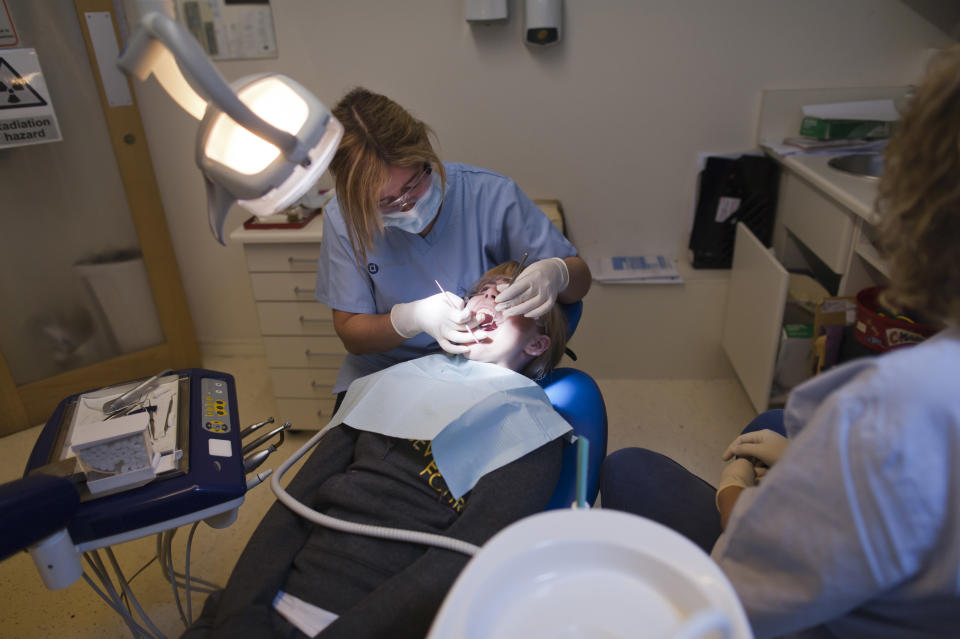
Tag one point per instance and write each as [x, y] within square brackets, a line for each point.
[127, 461]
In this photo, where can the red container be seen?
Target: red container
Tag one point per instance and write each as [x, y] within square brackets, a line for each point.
[878, 330]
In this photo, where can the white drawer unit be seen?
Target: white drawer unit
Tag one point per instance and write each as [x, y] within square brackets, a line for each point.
[302, 349]
[309, 383]
[278, 258]
[283, 287]
[295, 318]
[822, 225]
[303, 352]
[306, 413]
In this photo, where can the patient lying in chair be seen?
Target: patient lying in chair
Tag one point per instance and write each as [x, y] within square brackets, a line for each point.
[371, 587]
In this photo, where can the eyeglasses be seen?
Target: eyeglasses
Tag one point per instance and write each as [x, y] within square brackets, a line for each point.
[404, 202]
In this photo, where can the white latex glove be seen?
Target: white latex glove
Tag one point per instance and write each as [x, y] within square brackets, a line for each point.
[535, 291]
[740, 473]
[442, 316]
[765, 446]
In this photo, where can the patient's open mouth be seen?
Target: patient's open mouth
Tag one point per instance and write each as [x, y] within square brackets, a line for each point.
[485, 321]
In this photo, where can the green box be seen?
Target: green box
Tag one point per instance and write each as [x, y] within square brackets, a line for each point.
[834, 129]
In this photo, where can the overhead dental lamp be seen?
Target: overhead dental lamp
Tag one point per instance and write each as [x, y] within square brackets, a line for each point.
[263, 140]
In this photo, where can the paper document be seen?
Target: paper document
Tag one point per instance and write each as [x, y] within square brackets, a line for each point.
[636, 269]
[309, 619]
[785, 149]
[882, 110]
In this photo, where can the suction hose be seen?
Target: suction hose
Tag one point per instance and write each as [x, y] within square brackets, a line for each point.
[383, 532]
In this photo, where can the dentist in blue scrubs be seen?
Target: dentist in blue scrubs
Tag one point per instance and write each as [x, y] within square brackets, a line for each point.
[402, 219]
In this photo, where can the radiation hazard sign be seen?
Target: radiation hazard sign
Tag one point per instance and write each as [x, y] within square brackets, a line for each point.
[26, 112]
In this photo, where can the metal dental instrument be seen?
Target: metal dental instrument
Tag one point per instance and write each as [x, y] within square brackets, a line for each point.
[135, 394]
[121, 412]
[166, 419]
[520, 266]
[153, 424]
[455, 308]
[249, 429]
[253, 462]
[279, 429]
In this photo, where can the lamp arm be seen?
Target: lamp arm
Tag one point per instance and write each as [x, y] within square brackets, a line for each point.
[149, 52]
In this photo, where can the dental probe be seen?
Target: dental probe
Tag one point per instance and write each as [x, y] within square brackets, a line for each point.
[520, 266]
[455, 308]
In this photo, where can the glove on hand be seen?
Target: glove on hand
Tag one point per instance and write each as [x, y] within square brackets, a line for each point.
[535, 290]
[763, 445]
[442, 316]
[740, 473]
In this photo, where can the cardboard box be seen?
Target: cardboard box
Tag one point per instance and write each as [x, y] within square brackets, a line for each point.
[833, 314]
[553, 210]
[830, 129]
[793, 357]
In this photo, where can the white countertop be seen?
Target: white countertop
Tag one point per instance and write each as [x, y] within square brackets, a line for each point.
[854, 193]
[312, 232]
[781, 112]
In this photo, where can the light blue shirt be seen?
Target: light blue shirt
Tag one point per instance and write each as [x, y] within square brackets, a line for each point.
[485, 220]
[855, 531]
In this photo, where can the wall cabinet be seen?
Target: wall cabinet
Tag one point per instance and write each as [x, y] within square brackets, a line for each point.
[302, 349]
[811, 226]
[824, 223]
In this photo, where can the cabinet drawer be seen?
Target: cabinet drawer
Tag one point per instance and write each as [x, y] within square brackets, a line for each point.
[303, 382]
[304, 414]
[304, 352]
[295, 318]
[282, 257]
[823, 226]
[289, 287]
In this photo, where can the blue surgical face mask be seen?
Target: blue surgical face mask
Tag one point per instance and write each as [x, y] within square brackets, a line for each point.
[422, 213]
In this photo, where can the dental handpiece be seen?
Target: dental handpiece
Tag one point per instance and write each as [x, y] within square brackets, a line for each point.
[455, 308]
[249, 429]
[263, 438]
[254, 461]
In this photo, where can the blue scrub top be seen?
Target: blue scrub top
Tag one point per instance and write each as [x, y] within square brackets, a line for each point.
[485, 220]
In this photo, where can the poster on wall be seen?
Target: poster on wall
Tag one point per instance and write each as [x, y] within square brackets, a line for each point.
[26, 110]
[230, 29]
[8, 34]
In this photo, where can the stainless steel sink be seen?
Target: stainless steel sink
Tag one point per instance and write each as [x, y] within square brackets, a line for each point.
[865, 165]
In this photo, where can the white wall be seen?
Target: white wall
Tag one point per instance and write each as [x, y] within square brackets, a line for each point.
[609, 122]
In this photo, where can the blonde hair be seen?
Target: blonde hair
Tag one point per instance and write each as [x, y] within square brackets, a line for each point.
[919, 197]
[553, 324]
[378, 134]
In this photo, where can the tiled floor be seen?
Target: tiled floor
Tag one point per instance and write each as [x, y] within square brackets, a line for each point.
[689, 420]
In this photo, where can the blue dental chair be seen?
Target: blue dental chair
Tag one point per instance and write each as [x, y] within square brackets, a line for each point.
[576, 396]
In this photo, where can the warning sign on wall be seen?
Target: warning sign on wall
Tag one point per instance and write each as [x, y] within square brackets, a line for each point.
[8, 35]
[26, 112]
